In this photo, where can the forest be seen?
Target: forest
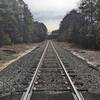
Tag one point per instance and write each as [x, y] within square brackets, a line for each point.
[82, 25]
[17, 24]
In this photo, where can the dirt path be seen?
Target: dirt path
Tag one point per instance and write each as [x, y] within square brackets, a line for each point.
[9, 53]
[91, 56]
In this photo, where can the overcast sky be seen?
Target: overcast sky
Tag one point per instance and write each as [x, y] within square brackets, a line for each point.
[51, 12]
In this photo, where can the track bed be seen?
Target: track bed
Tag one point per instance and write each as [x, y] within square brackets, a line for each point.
[54, 75]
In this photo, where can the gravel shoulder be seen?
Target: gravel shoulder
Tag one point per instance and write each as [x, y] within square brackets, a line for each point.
[10, 53]
[91, 56]
[16, 76]
[86, 72]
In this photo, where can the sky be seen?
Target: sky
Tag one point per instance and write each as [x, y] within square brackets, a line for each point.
[51, 12]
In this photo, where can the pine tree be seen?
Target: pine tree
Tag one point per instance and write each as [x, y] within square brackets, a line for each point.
[88, 10]
[98, 20]
[16, 21]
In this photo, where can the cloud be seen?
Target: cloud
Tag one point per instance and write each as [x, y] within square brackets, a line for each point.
[47, 15]
[51, 11]
[44, 5]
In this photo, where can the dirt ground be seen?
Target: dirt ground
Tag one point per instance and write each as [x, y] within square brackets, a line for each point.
[8, 53]
[92, 56]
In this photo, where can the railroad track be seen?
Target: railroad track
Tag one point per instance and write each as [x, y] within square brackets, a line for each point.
[51, 76]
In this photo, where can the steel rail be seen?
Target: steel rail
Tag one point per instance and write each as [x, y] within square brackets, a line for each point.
[77, 94]
[28, 93]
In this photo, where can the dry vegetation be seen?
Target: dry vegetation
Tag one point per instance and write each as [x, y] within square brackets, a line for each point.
[89, 54]
[8, 53]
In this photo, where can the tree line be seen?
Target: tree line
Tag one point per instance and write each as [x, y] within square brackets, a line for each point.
[82, 26]
[17, 24]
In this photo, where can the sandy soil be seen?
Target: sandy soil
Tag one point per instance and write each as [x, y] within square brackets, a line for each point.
[8, 53]
[91, 56]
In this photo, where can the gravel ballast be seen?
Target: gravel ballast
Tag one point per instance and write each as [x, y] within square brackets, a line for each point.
[89, 75]
[17, 75]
